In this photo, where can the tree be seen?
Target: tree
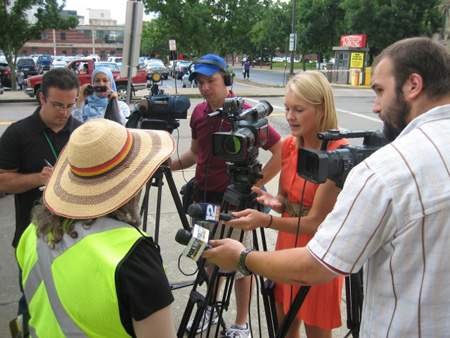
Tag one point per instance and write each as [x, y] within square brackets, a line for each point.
[15, 29]
[272, 31]
[207, 26]
[387, 21]
[318, 26]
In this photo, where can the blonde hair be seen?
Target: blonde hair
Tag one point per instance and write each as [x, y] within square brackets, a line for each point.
[314, 88]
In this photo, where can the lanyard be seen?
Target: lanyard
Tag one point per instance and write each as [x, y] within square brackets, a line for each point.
[51, 146]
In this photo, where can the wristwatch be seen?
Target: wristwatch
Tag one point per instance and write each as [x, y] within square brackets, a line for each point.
[241, 265]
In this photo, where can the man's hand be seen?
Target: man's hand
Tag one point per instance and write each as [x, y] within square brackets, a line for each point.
[225, 253]
[45, 174]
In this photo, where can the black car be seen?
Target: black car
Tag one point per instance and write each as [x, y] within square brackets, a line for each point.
[27, 66]
[5, 75]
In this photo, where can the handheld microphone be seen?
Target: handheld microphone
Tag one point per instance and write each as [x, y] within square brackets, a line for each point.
[262, 109]
[195, 242]
[205, 212]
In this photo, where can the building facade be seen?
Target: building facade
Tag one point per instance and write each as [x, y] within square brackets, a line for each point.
[96, 34]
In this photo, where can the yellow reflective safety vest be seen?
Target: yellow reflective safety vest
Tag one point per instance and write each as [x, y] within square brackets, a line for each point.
[71, 290]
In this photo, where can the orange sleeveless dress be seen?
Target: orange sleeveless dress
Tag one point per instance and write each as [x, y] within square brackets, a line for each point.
[322, 304]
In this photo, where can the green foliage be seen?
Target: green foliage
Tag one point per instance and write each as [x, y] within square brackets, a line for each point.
[318, 26]
[201, 27]
[15, 29]
[271, 32]
[385, 21]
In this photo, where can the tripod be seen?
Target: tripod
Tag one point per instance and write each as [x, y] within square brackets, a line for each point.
[157, 181]
[240, 195]
[354, 297]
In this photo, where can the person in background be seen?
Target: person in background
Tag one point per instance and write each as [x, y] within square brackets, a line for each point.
[88, 270]
[30, 147]
[211, 178]
[392, 216]
[309, 109]
[247, 69]
[93, 105]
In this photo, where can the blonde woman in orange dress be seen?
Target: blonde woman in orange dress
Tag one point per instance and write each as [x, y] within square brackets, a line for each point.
[309, 109]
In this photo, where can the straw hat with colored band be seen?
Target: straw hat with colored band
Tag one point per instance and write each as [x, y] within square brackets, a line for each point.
[103, 166]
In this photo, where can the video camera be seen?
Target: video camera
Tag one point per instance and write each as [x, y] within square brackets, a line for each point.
[160, 111]
[319, 165]
[249, 130]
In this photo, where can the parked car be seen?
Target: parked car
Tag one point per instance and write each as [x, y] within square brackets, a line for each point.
[181, 68]
[44, 63]
[138, 82]
[27, 66]
[170, 66]
[5, 75]
[277, 59]
[156, 67]
[111, 65]
[59, 64]
[1, 89]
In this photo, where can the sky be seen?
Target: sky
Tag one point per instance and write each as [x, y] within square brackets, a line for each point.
[118, 7]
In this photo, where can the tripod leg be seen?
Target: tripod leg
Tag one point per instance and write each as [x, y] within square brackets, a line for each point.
[176, 198]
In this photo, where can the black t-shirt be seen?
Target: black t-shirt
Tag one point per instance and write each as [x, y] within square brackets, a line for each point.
[24, 146]
[141, 283]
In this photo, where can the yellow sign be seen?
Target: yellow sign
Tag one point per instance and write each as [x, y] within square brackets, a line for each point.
[357, 60]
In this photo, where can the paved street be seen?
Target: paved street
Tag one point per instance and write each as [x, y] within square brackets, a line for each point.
[354, 112]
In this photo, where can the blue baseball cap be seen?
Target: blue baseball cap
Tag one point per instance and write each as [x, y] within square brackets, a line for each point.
[208, 69]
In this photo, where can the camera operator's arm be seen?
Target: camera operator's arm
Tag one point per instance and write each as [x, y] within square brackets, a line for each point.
[273, 166]
[292, 266]
[13, 182]
[187, 159]
[157, 325]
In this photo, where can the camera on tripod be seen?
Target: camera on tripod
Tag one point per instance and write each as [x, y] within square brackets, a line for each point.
[160, 111]
[249, 131]
[319, 165]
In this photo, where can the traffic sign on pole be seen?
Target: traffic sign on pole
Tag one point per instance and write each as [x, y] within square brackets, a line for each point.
[172, 45]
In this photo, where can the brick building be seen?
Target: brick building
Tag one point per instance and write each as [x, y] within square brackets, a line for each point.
[100, 36]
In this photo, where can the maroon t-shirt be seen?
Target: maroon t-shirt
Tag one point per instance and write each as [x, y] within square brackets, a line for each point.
[211, 172]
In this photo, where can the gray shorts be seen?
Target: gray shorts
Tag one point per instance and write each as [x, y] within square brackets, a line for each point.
[247, 239]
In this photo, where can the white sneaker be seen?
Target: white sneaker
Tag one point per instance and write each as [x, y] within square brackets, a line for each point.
[235, 332]
[204, 322]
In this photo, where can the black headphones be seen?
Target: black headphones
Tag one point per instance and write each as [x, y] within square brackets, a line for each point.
[227, 78]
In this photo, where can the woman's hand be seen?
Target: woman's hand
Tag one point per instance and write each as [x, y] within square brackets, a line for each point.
[81, 96]
[268, 200]
[249, 219]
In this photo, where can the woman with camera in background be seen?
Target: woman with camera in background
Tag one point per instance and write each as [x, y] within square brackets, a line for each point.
[309, 109]
[93, 100]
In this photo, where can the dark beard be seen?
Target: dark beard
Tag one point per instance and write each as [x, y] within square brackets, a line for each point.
[400, 111]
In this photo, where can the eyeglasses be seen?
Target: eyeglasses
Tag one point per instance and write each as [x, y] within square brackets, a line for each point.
[58, 106]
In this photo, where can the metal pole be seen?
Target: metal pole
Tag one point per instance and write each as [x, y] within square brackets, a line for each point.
[131, 54]
[294, 9]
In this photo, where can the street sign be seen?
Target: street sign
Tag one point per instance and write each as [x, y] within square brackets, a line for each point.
[292, 42]
[172, 45]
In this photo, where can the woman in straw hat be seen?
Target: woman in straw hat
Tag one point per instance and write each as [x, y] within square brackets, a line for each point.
[87, 268]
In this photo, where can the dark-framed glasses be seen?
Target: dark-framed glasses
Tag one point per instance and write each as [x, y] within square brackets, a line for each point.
[59, 106]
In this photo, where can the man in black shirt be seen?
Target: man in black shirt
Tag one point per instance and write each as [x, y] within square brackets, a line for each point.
[29, 146]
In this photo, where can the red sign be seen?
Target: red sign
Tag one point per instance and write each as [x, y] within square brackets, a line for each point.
[356, 40]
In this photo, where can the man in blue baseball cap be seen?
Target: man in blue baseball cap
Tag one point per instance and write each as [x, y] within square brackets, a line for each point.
[211, 179]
